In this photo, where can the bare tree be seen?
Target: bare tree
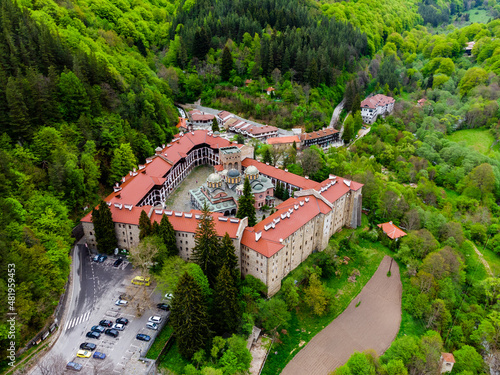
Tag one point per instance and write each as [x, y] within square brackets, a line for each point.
[51, 364]
[142, 256]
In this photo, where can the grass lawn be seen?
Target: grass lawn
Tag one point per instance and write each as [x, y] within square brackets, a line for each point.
[304, 326]
[480, 140]
[160, 341]
[173, 362]
[479, 16]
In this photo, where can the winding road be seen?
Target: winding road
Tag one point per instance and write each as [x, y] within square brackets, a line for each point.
[371, 321]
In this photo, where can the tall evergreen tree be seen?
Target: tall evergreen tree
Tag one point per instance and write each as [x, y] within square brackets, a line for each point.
[145, 227]
[206, 248]
[267, 157]
[228, 258]
[190, 319]
[246, 204]
[226, 304]
[104, 229]
[226, 64]
[167, 234]
[215, 125]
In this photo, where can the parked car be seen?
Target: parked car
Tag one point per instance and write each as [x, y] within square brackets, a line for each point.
[122, 321]
[99, 355]
[152, 326]
[99, 329]
[102, 258]
[88, 346]
[83, 354]
[121, 302]
[111, 332]
[155, 319]
[139, 280]
[93, 335]
[163, 306]
[118, 262]
[143, 337]
[74, 366]
[106, 323]
[169, 296]
[118, 326]
[95, 258]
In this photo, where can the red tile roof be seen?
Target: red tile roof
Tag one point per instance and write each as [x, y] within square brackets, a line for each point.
[123, 215]
[391, 230]
[187, 221]
[448, 357]
[181, 123]
[199, 117]
[224, 115]
[318, 134]
[269, 89]
[134, 189]
[335, 187]
[261, 129]
[280, 174]
[375, 101]
[290, 216]
[281, 140]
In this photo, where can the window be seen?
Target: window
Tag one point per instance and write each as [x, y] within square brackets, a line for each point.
[129, 227]
[90, 233]
[131, 239]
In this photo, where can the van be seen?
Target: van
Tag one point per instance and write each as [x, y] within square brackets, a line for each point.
[139, 280]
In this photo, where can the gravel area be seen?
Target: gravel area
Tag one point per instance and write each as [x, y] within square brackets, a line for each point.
[373, 324]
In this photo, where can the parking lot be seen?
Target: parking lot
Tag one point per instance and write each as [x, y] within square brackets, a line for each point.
[98, 287]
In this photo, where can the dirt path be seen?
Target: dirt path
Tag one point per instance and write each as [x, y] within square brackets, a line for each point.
[481, 258]
[372, 325]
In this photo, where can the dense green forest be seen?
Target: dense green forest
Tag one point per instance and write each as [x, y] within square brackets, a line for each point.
[87, 90]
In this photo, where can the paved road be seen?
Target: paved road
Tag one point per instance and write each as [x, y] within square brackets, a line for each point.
[372, 325]
[336, 113]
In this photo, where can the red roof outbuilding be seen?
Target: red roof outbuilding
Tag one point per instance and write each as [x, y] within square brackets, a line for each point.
[391, 230]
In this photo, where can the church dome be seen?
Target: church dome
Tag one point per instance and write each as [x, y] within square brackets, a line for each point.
[214, 177]
[251, 170]
[233, 173]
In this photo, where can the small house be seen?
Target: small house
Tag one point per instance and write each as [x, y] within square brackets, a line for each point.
[446, 362]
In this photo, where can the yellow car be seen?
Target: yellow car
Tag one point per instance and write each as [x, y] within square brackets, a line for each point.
[139, 280]
[83, 354]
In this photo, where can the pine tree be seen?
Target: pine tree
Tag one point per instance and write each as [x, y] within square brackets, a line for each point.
[312, 73]
[286, 194]
[227, 64]
[189, 319]
[215, 125]
[226, 304]
[278, 192]
[228, 258]
[104, 229]
[206, 249]
[246, 204]
[145, 228]
[167, 234]
[267, 158]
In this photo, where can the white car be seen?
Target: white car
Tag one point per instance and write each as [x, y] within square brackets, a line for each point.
[121, 302]
[151, 325]
[155, 319]
[169, 296]
[119, 327]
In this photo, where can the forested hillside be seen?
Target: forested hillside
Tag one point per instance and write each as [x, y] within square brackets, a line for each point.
[87, 90]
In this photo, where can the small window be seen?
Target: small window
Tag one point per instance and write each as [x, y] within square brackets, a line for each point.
[90, 233]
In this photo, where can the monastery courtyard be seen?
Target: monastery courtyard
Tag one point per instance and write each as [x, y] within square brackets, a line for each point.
[180, 199]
